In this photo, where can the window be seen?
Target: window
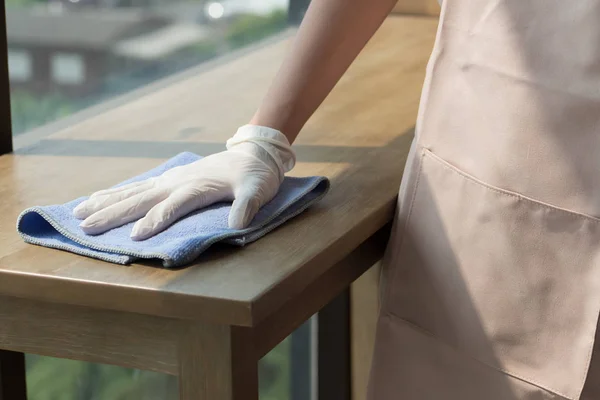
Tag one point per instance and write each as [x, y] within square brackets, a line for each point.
[19, 65]
[68, 69]
[91, 51]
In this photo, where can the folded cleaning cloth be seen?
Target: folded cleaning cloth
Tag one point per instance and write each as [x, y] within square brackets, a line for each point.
[55, 226]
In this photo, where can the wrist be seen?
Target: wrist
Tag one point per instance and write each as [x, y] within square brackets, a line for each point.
[270, 141]
[279, 122]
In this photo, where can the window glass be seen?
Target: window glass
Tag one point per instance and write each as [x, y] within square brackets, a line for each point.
[88, 51]
[67, 55]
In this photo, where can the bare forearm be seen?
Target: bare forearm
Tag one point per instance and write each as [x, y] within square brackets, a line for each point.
[331, 36]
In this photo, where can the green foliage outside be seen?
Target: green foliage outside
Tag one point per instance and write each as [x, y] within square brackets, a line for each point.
[274, 373]
[22, 3]
[251, 28]
[57, 379]
[205, 50]
[29, 111]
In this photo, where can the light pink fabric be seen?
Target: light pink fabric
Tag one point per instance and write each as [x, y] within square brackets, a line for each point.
[492, 274]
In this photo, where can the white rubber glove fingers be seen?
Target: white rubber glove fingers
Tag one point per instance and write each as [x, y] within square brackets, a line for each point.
[249, 173]
[179, 203]
[104, 198]
[121, 212]
[249, 197]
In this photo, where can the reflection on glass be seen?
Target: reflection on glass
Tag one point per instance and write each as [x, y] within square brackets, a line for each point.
[51, 378]
[65, 55]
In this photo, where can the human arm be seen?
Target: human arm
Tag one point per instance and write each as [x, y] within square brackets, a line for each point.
[250, 171]
[331, 36]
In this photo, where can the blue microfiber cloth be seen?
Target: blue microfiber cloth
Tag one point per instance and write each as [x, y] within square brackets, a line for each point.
[55, 226]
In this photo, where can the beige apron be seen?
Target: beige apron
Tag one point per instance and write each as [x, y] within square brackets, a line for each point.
[493, 268]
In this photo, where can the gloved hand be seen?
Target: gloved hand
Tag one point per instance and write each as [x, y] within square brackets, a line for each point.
[249, 172]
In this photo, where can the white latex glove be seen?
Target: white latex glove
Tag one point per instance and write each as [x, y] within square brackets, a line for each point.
[248, 173]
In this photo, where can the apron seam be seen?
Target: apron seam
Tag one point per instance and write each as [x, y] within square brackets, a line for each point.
[421, 155]
[518, 196]
[458, 351]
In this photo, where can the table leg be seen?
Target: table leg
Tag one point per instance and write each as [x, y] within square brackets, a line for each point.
[217, 362]
[12, 376]
[302, 382]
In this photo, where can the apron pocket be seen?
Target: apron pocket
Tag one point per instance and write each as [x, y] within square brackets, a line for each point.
[505, 279]
[431, 370]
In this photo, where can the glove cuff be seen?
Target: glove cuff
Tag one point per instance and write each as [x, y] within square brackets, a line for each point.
[271, 140]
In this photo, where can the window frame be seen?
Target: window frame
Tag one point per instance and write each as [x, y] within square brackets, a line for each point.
[6, 145]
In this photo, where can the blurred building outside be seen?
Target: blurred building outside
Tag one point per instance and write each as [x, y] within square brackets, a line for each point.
[65, 55]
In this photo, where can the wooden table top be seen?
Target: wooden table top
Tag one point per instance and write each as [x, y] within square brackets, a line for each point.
[359, 138]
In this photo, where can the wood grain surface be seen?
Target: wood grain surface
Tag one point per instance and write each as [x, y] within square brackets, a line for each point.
[418, 7]
[364, 309]
[80, 333]
[359, 138]
[217, 362]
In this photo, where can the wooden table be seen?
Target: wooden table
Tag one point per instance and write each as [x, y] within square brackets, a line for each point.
[209, 323]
